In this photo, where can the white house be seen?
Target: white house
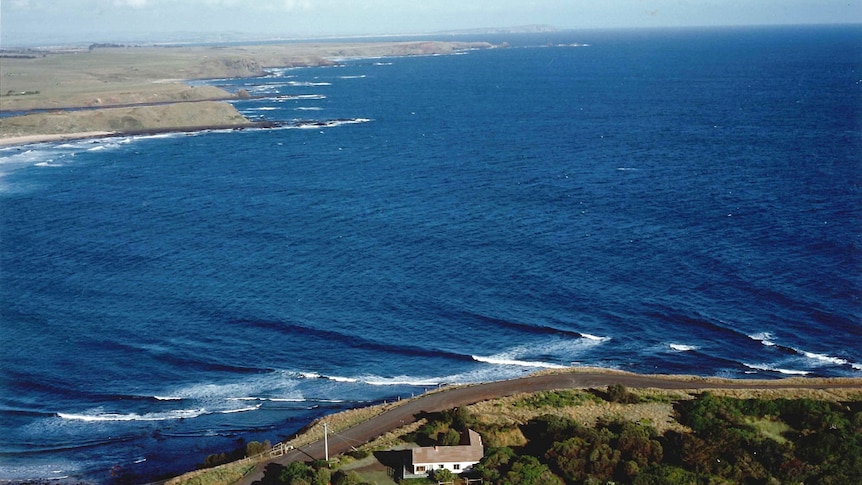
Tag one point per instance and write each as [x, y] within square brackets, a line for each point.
[458, 459]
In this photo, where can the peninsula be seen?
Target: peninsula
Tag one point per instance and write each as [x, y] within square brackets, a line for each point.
[64, 93]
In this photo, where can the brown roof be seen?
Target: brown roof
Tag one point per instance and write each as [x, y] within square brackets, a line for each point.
[472, 451]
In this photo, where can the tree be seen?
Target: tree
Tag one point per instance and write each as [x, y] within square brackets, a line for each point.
[444, 475]
[341, 477]
[569, 457]
[255, 448]
[450, 438]
[295, 473]
[527, 470]
[322, 476]
[495, 463]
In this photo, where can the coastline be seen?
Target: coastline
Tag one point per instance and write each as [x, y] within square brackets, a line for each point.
[132, 90]
[57, 137]
[373, 422]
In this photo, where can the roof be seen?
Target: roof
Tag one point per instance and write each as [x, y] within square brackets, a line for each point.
[471, 452]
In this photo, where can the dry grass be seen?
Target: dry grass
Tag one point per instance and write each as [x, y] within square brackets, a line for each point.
[657, 412]
[142, 118]
[108, 76]
[338, 422]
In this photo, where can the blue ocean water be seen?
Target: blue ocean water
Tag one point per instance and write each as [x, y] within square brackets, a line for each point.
[668, 201]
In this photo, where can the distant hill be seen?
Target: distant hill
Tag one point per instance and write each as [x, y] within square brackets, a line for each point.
[521, 29]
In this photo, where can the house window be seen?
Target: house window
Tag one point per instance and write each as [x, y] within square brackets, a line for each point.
[440, 467]
[420, 468]
[456, 466]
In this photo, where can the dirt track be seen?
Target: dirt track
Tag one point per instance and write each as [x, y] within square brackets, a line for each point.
[462, 396]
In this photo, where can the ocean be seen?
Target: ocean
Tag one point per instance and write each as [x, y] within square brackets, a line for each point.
[680, 201]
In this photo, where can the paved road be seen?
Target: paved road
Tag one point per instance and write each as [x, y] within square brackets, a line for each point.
[462, 396]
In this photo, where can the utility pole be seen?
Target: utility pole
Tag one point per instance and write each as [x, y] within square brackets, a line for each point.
[325, 441]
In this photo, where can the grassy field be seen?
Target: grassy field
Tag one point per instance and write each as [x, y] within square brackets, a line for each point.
[58, 79]
[143, 80]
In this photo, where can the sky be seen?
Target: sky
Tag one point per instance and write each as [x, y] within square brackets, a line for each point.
[34, 21]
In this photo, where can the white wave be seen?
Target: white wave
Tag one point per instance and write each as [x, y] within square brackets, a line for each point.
[626, 169]
[521, 363]
[382, 63]
[300, 96]
[595, 338]
[308, 108]
[213, 395]
[400, 381]
[307, 83]
[856, 366]
[780, 370]
[683, 347]
[342, 379]
[164, 416]
[168, 398]
[310, 375]
[264, 108]
[352, 77]
[824, 358]
[765, 338]
[241, 410]
[330, 123]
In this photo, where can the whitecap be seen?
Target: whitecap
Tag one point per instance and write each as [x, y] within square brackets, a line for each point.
[163, 416]
[342, 379]
[594, 337]
[515, 362]
[824, 358]
[780, 370]
[683, 347]
[241, 410]
[764, 337]
[399, 381]
[361, 76]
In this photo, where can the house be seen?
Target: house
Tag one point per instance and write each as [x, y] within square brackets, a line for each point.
[458, 459]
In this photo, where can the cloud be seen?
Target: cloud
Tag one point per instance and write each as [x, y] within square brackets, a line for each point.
[130, 3]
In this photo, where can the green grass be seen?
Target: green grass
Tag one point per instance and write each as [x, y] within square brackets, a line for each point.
[556, 399]
[770, 428]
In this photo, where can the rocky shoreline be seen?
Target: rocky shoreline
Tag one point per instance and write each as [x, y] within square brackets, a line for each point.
[134, 90]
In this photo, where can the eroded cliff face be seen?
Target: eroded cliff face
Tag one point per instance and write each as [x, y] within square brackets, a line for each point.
[228, 67]
[176, 116]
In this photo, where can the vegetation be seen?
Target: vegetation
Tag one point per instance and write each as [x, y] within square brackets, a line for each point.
[731, 440]
[618, 435]
[252, 448]
[556, 399]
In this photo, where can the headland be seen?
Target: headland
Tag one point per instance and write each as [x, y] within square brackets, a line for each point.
[66, 93]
